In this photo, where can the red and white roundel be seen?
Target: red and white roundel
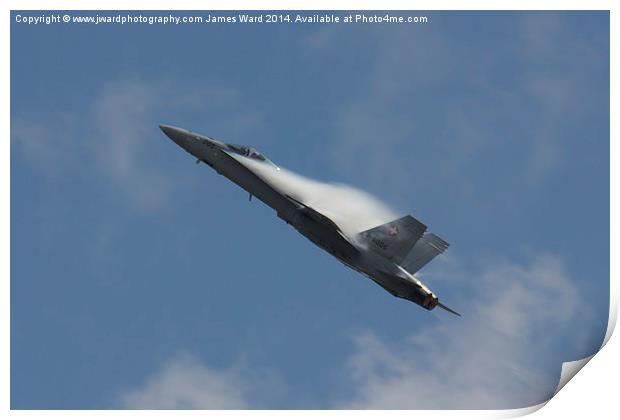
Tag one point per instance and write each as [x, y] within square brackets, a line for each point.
[393, 230]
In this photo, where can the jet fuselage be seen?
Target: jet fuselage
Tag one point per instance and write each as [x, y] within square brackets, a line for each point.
[231, 162]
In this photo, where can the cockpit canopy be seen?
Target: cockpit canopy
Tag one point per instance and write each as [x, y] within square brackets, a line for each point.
[247, 151]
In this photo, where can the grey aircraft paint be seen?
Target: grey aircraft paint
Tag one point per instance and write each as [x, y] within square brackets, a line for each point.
[388, 254]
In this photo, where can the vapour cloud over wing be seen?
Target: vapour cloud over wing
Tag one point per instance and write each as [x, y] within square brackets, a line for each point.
[353, 210]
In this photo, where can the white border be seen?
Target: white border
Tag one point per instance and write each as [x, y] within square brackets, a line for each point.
[592, 394]
[312, 5]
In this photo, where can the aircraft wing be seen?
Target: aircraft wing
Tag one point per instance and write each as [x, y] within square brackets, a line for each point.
[424, 250]
[313, 214]
[344, 242]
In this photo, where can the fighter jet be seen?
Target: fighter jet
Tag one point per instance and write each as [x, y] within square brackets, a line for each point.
[389, 254]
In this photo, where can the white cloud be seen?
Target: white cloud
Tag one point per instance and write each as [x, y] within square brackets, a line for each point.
[372, 128]
[184, 382]
[496, 356]
[120, 121]
[115, 133]
[377, 130]
[322, 38]
[44, 146]
[558, 83]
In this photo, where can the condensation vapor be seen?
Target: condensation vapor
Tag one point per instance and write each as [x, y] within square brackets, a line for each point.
[351, 209]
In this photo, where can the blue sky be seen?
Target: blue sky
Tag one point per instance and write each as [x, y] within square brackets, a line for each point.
[139, 279]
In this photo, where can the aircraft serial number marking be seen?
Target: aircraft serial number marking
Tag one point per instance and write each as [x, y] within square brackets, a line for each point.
[380, 243]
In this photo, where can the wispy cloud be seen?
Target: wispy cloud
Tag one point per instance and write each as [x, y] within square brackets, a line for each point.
[372, 128]
[558, 83]
[322, 38]
[120, 121]
[45, 145]
[115, 131]
[186, 383]
[497, 356]
[500, 355]
[463, 108]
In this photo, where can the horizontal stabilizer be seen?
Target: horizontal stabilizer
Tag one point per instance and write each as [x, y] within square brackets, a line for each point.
[395, 239]
[427, 248]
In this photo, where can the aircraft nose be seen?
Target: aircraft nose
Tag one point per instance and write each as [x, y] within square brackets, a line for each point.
[175, 134]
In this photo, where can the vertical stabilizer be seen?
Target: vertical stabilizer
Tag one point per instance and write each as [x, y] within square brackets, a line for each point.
[395, 239]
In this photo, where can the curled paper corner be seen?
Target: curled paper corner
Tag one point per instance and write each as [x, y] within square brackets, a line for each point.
[520, 412]
[570, 369]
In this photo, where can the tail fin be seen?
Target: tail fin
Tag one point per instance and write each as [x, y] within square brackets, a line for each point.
[395, 239]
[427, 248]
